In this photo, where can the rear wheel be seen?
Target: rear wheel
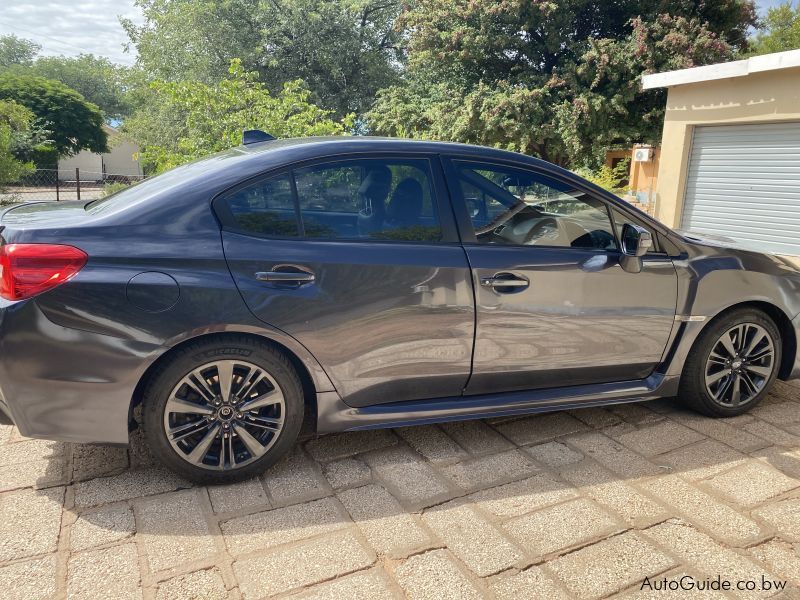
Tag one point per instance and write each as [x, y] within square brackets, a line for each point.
[223, 411]
[732, 365]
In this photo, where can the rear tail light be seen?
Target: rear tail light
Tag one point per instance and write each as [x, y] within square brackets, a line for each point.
[30, 269]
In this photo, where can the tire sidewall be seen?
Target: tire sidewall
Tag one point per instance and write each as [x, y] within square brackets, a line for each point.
[161, 385]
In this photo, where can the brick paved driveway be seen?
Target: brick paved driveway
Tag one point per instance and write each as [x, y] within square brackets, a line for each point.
[573, 504]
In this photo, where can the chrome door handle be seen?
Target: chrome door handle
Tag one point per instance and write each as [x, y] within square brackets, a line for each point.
[285, 276]
[505, 280]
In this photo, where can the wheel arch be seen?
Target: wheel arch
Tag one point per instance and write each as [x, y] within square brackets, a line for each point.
[782, 321]
[303, 372]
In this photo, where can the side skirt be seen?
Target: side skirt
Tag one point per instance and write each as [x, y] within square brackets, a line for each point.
[334, 415]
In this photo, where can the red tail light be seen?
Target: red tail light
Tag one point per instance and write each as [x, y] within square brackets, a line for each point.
[30, 269]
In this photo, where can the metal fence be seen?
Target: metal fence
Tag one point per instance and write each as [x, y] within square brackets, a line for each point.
[61, 185]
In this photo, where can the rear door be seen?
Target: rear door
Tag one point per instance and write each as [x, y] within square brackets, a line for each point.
[554, 306]
[358, 259]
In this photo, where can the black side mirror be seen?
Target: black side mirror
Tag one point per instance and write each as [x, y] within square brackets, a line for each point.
[636, 241]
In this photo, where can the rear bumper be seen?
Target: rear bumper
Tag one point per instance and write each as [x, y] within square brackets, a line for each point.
[66, 384]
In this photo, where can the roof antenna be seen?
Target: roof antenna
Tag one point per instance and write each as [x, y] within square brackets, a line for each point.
[254, 136]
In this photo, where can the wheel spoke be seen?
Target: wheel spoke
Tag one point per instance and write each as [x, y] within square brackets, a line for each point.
[266, 423]
[758, 337]
[225, 376]
[199, 453]
[727, 343]
[717, 358]
[187, 430]
[199, 384]
[267, 399]
[253, 446]
[254, 377]
[736, 394]
[711, 379]
[178, 405]
[722, 390]
[764, 372]
[749, 384]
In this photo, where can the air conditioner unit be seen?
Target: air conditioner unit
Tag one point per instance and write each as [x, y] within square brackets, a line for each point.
[642, 155]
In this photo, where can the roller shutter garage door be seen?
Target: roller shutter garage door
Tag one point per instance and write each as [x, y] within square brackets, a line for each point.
[744, 183]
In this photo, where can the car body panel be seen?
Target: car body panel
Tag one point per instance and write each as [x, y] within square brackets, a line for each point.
[71, 359]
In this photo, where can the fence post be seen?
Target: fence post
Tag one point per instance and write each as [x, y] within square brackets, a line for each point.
[58, 187]
[78, 182]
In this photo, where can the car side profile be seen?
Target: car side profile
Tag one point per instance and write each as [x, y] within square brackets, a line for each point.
[360, 282]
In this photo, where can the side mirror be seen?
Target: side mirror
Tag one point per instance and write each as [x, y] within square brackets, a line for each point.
[636, 241]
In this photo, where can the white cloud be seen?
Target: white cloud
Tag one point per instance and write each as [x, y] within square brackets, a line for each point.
[71, 28]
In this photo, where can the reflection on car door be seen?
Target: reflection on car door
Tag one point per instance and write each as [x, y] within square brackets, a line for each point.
[359, 261]
[554, 306]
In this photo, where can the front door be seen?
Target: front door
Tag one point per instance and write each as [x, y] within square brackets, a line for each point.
[358, 259]
[554, 306]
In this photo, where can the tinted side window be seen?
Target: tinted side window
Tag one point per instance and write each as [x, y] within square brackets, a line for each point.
[265, 207]
[518, 207]
[368, 199]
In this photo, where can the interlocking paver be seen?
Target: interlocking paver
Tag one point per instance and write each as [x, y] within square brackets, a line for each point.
[540, 428]
[435, 576]
[433, 443]
[106, 573]
[388, 528]
[561, 527]
[659, 438]
[487, 471]
[30, 522]
[413, 480]
[248, 494]
[610, 566]
[332, 447]
[601, 485]
[593, 498]
[102, 526]
[752, 483]
[301, 565]
[296, 478]
[531, 583]
[702, 460]
[31, 580]
[784, 516]
[554, 454]
[373, 584]
[173, 529]
[471, 538]
[347, 472]
[206, 584]
[521, 497]
[282, 525]
[719, 519]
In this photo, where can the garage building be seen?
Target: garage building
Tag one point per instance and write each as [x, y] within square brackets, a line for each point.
[730, 154]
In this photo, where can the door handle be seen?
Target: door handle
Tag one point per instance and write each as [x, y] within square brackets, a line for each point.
[505, 282]
[285, 276]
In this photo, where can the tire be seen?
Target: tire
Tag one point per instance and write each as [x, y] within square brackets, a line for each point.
[217, 437]
[708, 383]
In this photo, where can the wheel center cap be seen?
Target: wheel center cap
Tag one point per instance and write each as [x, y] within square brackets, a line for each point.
[225, 413]
[736, 364]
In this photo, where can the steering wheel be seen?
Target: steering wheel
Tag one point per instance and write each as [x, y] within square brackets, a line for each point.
[540, 230]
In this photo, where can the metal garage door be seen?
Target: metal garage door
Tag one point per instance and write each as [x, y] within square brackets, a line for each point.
[744, 182]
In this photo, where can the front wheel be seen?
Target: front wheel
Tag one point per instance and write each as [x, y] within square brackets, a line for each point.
[732, 365]
[223, 411]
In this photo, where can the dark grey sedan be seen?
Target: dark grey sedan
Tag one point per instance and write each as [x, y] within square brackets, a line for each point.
[362, 283]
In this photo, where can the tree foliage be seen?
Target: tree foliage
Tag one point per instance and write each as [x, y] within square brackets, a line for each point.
[75, 123]
[17, 51]
[781, 30]
[19, 138]
[344, 50]
[190, 119]
[559, 80]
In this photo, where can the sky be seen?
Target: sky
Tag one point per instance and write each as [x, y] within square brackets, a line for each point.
[72, 27]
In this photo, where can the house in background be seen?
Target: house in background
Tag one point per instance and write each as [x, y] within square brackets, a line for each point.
[730, 151]
[119, 163]
[642, 174]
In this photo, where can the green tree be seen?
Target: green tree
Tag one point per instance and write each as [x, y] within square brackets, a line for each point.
[781, 30]
[19, 138]
[559, 80]
[344, 50]
[75, 123]
[191, 119]
[17, 51]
